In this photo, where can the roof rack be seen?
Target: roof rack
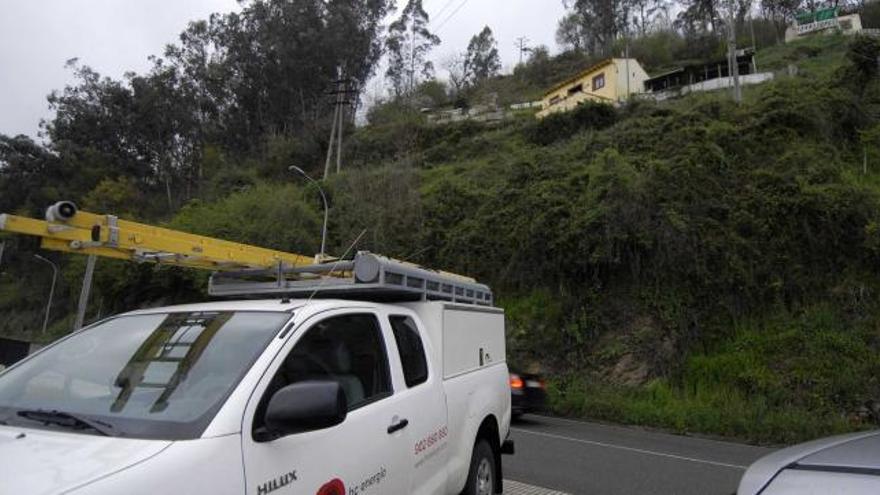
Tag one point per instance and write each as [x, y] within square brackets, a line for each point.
[367, 276]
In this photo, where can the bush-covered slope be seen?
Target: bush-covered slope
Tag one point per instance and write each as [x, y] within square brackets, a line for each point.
[696, 264]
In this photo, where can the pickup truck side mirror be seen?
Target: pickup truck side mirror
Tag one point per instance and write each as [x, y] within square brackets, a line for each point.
[306, 406]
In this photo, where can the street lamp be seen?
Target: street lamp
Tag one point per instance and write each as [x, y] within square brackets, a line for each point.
[51, 289]
[302, 172]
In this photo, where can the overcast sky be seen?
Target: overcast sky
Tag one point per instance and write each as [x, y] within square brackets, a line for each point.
[37, 37]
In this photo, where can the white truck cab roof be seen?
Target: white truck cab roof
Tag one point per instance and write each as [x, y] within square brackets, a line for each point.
[277, 304]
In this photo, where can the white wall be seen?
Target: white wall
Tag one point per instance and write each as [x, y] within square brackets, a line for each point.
[711, 85]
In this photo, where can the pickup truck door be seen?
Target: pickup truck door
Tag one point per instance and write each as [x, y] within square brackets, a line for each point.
[364, 454]
[419, 391]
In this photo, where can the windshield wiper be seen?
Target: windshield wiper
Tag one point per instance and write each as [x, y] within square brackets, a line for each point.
[68, 420]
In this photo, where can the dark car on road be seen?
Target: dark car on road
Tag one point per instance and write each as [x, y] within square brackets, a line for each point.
[527, 393]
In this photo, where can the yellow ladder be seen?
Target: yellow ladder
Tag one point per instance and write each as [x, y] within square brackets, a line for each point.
[70, 230]
[241, 269]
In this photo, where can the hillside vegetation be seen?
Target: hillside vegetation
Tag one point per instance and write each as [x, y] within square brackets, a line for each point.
[694, 264]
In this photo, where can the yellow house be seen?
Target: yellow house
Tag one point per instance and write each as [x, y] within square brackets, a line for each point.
[612, 80]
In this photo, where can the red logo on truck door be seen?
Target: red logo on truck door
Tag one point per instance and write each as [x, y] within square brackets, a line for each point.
[332, 487]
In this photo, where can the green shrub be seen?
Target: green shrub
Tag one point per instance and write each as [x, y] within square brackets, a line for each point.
[277, 217]
[557, 126]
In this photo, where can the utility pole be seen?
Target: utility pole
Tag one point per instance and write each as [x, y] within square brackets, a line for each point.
[84, 292]
[521, 46]
[733, 66]
[752, 29]
[412, 56]
[626, 57]
[332, 137]
[339, 141]
[51, 290]
[2, 248]
[340, 94]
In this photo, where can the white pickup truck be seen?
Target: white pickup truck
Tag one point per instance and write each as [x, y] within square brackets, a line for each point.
[328, 397]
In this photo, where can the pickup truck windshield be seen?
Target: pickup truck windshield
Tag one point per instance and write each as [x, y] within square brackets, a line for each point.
[160, 376]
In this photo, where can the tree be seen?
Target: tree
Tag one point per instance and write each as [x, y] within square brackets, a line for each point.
[570, 32]
[645, 13]
[538, 67]
[143, 129]
[408, 45]
[200, 62]
[120, 196]
[456, 66]
[96, 131]
[231, 82]
[93, 113]
[597, 22]
[432, 93]
[780, 12]
[31, 177]
[593, 26]
[862, 56]
[698, 17]
[165, 130]
[279, 57]
[481, 58]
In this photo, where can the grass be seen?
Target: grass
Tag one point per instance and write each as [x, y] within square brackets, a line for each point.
[814, 55]
[785, 380]
[707, 410]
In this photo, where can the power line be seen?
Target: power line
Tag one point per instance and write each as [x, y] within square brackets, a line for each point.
[462, 4]
[442, 9]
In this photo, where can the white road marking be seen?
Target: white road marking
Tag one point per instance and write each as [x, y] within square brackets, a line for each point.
[517, 488]
[631, 449]
[582, 422]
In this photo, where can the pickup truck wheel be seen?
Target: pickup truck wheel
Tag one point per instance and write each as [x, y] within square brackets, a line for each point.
[481, 477]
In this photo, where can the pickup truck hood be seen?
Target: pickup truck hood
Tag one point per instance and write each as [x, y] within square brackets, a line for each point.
[43, 461]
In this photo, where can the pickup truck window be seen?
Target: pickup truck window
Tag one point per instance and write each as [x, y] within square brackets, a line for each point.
[348, 349]
[159, 376]
[412, 352]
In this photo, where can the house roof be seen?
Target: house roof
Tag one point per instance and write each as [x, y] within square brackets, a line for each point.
[817, 15]
[667, 73]
[745, 54]
[579, 75]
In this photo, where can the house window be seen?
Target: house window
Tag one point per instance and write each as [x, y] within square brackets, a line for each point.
[575, 89]
[555, 100]
[599, 81]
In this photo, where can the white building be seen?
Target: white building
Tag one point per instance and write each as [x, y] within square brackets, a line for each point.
[824, 20]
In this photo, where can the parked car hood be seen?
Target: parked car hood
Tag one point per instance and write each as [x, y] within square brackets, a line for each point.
[43, 461]
[857, 450]
[860, 453]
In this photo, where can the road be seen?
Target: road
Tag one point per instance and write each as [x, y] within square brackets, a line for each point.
[588, 458]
